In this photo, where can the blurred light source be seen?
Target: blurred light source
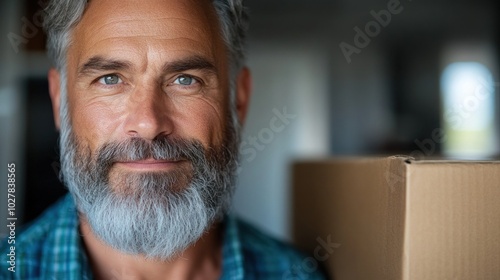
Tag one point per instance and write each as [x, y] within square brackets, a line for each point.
[468, 93]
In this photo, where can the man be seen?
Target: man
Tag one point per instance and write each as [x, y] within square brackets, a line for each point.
[149, 97]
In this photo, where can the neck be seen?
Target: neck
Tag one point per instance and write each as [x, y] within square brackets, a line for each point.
[202, 260]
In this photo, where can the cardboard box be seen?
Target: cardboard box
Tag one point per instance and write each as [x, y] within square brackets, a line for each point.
[397, 218]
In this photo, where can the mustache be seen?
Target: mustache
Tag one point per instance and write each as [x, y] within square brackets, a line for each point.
[160, 148]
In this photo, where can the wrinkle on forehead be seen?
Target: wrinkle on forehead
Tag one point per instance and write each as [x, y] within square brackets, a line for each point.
[161, 27]
[193, 18]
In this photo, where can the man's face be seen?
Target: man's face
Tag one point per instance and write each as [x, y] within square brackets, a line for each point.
[147, 70]
[149, 149]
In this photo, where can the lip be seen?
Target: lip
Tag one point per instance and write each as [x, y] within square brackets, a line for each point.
[150, 164]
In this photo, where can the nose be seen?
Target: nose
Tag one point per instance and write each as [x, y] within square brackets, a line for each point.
[148, 114]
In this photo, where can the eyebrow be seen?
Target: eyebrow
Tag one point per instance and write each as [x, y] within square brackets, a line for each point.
[191, 63]
[101, 64]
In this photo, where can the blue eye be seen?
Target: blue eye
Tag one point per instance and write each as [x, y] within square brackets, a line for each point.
[185, 80]
[110, 80]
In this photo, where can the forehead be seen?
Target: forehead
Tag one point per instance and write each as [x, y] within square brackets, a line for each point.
[124, 26]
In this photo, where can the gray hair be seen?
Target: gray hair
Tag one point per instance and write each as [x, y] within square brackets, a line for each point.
[63, 15]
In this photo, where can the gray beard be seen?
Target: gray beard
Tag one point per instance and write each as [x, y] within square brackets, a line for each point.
[159, 214]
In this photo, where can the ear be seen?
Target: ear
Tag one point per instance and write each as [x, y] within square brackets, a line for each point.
[55, 95]
[243, 93]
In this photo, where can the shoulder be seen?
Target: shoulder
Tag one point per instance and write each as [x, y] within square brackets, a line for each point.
[268, 258]
[24, 249]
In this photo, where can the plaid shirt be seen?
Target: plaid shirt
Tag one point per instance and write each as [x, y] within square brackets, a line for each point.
[51, 248]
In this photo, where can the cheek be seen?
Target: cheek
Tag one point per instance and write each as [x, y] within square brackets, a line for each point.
[202, 119]
[96, 123]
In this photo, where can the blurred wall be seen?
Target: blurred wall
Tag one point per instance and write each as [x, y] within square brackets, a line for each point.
[11, 113]
[18, 30]
[288, 118]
